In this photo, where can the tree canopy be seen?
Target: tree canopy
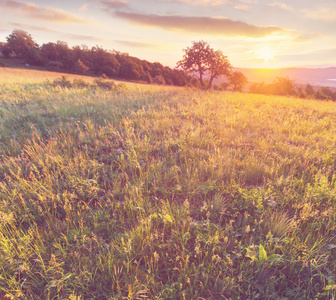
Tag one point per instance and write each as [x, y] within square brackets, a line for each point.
[95, 61]
[203, 60]
[23, 45]
[237, 81]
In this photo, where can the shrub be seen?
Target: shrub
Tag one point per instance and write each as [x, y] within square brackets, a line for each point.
[283, 86]
[80, 83]
[121, 87]
[104, 84]
[62, 82]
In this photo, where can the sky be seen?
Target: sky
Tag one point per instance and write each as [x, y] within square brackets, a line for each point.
[251, 33]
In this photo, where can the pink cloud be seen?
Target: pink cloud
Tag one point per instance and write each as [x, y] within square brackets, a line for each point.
[204, 25]
[41, 13]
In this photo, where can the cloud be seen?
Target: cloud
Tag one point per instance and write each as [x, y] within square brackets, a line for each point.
[281, 5]
[203, 2]
[238, 3]
[325, 54]
[84, 7]
[84, 37]
[201, 25]
[322, 13]
[306, 37]
[81, 37]
[136, 44]
[114, 4]
[31, 27]
[41, 13]
[242, 7]
[2, 26]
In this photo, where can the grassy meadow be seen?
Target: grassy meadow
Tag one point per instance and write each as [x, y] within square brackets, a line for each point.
[12, 75]
[149, 192]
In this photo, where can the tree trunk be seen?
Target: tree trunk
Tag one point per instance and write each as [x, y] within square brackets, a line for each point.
[201, 79]
[210, 82]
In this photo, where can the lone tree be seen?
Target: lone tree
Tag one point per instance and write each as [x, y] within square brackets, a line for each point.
[237, 81]
[203, 60]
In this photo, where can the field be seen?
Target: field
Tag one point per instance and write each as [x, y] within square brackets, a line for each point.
[13, 71]
[165, 193]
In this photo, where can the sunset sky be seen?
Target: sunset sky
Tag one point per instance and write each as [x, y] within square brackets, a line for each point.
[252, 33]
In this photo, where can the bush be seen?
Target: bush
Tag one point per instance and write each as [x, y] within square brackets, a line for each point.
[62, 82]
[104, 84]
[80, 83]
[283, 86]
[121, 87]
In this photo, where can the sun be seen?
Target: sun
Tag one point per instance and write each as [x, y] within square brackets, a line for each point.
[265, 53]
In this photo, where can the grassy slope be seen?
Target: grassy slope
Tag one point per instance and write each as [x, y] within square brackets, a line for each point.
[10, 75]
[166, 193]
[15, 71]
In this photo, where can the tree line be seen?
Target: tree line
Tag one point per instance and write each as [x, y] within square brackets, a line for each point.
[283, 86]
[95, 61]
[200, 65]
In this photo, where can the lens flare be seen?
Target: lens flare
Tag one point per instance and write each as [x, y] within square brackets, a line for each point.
[265, 54]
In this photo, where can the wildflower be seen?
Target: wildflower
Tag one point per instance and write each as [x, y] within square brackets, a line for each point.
[204, 207]
[247, 229]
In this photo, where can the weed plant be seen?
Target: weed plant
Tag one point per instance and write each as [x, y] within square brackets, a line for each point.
[165, 193]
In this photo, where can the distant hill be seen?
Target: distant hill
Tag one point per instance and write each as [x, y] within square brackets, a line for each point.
[315, 77]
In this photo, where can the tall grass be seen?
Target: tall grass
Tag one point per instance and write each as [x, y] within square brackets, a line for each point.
[165, 193]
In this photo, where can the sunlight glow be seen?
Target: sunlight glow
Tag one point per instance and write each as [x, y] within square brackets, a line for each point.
[265, 54]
